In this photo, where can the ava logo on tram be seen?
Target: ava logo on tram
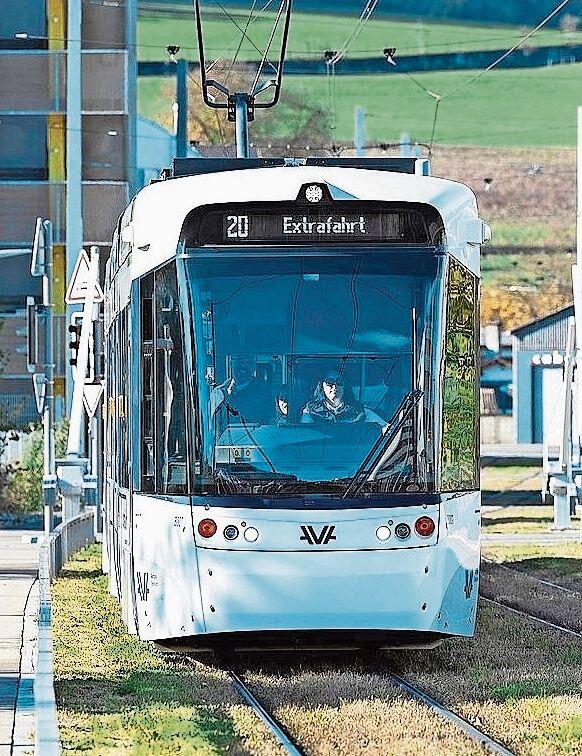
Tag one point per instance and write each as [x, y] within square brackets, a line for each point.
[322, 538]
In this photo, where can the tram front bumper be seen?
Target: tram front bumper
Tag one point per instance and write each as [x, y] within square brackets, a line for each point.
[421, 589]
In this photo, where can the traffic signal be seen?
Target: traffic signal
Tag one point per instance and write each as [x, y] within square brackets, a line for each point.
[75, 332]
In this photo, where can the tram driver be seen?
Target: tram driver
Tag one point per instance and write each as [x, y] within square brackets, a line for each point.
[331, 404]
[334, 402]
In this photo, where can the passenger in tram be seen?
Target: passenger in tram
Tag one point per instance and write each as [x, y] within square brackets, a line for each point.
[333, 402]
[247, 394]
[285, 413]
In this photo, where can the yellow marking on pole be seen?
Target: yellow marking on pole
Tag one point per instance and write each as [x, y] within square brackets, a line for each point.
[59, 278]
[56, 16]
[59, 385]
[56, 146]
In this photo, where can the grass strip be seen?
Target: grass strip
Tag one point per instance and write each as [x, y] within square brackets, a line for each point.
[519, 682]
[517, 519]
[557, 563]
[512, 477]
[119, 695]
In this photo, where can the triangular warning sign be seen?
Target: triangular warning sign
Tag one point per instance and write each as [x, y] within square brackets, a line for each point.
[92, 393]
[77, 291]
[39, 383]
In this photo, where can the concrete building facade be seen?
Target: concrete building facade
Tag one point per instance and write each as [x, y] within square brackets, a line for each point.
[67, 147]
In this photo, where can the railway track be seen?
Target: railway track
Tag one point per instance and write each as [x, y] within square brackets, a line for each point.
[277, 729]
[437, 707]
[519, 573]
[533, 617]
[291, 747]
[527, 615]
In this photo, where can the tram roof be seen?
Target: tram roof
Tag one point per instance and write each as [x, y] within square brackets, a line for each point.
[160, 208]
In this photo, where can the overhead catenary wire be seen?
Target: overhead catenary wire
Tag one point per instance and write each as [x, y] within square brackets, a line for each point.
[359, 26]
[438, 98]
[242, 38]
[282, 6]
[511, 50]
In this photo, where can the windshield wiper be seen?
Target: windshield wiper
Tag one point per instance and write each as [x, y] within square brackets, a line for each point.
[374, 456]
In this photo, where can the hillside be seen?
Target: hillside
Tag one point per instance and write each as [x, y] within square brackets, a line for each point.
[518, 12]
[504, 108]
[312, 33]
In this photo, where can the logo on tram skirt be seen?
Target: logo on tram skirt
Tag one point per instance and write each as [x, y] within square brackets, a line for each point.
[325, 536]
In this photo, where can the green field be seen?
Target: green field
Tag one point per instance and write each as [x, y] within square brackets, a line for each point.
[533, 269]
[534, 106]
[516, 107]
[311, 33]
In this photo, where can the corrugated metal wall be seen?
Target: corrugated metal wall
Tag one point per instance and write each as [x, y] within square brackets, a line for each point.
[546, 334]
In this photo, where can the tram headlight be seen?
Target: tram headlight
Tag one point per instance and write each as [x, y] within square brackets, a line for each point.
[402, 530]
[230, 532]
[424, 526]
[251, 535]
[383, 533]
[207, 528]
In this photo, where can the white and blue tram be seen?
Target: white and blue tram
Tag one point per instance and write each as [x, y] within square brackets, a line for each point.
[291, 443]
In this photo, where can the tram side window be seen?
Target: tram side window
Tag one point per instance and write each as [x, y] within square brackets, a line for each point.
[111, 452]
[122, 404]
[460, 468]
[148, 481]
[117, 382]
[170, 386]
[163, 426]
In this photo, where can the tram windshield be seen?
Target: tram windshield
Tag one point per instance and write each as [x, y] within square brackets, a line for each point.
[314, 372]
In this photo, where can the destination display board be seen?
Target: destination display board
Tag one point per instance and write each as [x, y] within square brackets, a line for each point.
[295, 224]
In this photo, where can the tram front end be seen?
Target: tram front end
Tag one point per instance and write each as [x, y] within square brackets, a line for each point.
[308, 472]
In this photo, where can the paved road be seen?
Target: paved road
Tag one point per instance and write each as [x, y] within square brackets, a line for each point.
[18, 633]
[514, 454]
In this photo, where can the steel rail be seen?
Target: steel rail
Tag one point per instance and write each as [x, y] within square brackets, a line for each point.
[441, 710]
[531, 577]
[275, 728]
[533, 617]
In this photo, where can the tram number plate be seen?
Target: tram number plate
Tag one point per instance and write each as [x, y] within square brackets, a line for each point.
[235, 454]
[237, 226]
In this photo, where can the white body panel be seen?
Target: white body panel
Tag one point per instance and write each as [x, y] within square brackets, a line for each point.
[155, 243]
[280, 583]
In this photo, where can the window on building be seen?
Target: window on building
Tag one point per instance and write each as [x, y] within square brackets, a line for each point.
[28, 16]
[23, 147]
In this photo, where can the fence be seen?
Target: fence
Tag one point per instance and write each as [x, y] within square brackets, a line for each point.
[55, 551]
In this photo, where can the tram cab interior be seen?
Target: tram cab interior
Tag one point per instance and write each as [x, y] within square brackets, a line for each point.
[271, 336]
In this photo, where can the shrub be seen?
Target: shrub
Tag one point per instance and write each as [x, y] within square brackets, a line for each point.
[24, 486]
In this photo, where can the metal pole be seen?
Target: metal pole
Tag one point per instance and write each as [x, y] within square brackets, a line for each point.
[242, 124]
[577, 286]
[76, 422]
[182, 100]
[74, 222]
[359, 131]
[561, 483]
[49, 479]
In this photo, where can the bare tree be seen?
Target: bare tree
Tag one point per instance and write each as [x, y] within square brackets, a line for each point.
[569, 23]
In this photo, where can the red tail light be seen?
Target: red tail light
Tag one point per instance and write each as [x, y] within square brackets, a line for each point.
[207, 528]
[424, 526]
